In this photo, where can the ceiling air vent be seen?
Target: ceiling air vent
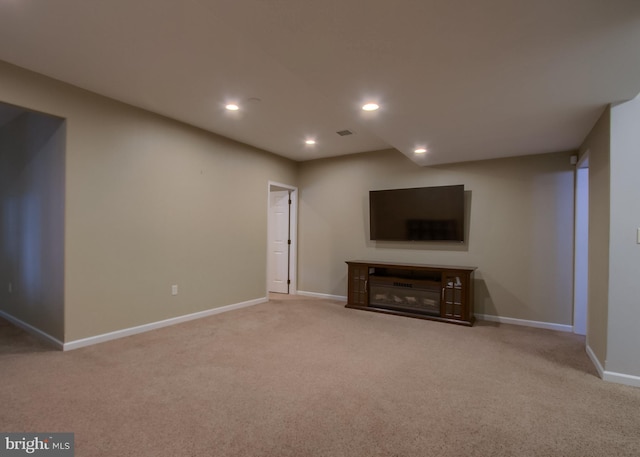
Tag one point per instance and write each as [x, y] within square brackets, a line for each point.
[344, 132]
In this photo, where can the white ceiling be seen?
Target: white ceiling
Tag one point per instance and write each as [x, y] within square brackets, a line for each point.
[468, 79]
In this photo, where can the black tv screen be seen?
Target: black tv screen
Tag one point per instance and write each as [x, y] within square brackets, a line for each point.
[417, 214]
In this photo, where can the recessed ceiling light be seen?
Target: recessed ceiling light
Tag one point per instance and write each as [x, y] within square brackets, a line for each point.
[420, 150]
[310, 141]
[232, 107]
[370, 107]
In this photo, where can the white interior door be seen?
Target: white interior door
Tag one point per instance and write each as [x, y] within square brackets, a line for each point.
[278, 255]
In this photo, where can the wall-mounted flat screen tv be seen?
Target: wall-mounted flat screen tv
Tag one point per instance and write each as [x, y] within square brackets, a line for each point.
[417, 214]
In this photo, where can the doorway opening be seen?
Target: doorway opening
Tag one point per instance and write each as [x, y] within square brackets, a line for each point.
[32, 222]
[282, 238]
[581, 256]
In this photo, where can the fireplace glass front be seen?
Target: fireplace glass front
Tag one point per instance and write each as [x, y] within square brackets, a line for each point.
[413, 296]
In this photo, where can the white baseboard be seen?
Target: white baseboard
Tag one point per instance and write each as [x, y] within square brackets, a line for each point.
[526, 323]
[319, 295]
[156, 325]
[32, 330]
[621, 378]
[595, 361]
[612, 376]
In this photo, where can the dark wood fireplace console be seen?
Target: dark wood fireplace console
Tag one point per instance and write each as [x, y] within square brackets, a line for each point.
[440, 293]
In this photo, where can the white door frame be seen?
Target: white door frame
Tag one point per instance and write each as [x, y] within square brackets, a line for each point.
[293, 233]
[581, 247]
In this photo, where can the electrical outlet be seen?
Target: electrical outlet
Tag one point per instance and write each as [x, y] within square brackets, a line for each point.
[174, 289]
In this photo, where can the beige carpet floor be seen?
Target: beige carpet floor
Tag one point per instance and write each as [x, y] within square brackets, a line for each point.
[306, 377]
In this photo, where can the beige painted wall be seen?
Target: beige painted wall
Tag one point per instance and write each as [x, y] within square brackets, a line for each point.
[151, 203]
[623, 337]
[520, 227]
[32, 221]
[597, 144]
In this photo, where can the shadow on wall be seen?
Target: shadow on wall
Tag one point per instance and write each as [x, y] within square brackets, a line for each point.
[487, 293]
[341, 287]
[483, 303]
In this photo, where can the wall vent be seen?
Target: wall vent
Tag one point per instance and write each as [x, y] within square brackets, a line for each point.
[344, 132]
